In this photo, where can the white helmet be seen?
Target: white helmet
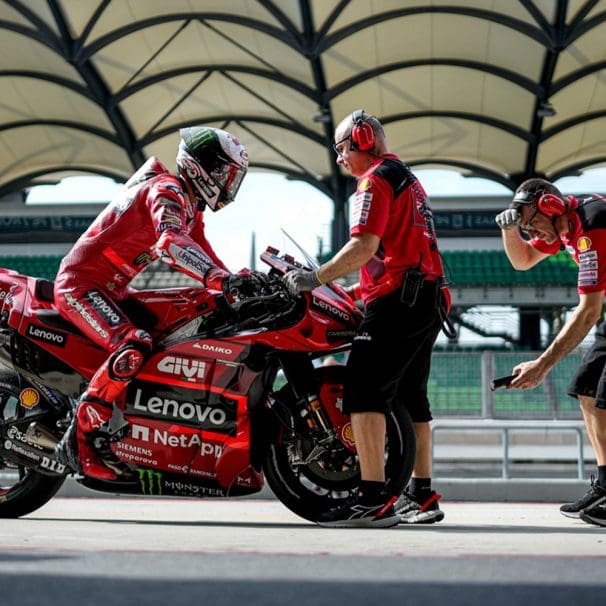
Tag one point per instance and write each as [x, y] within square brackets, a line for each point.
[213, 162]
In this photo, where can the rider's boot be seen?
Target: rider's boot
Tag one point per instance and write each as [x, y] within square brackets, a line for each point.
[76, 447]
[93, 417]
[66, 450]
[85, 447]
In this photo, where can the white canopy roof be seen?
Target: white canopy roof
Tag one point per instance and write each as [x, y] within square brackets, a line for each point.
[504, 89]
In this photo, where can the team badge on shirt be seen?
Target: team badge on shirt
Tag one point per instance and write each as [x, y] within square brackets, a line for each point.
[362, 203]
[365, 185]
[584, 243]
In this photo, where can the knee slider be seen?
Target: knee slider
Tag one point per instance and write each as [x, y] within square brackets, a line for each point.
[126, 362]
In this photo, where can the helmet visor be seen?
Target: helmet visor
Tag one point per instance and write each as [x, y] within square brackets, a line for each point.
[229, 178]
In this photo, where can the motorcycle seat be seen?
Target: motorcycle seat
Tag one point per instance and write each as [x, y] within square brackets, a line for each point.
[45, 290]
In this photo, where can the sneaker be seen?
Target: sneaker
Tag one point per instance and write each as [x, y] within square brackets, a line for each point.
[594, 496]
[595, 515]
[355, 514]
[425, 511]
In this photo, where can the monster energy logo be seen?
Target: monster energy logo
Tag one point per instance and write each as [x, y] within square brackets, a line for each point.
[150, 481]
[201, 137]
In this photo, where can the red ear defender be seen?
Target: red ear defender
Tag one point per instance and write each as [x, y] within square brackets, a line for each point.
[362, 135]
[551, 205]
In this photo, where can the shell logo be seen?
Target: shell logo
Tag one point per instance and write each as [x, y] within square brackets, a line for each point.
[29, 398]
[584, 243]
[365, 185]
[347, 435]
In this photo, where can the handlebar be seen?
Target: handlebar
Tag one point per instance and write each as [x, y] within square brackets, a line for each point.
[272, 304]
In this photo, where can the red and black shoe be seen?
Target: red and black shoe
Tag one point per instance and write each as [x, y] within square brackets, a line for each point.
[419, 509]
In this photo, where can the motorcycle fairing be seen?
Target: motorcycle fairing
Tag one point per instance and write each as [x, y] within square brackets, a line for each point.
[153, 482]
[190, 415]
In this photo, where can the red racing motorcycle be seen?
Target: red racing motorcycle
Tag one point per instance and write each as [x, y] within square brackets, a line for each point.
[232, 394]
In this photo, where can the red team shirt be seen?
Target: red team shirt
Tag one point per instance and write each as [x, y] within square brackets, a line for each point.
[392, 204]
[585, 241]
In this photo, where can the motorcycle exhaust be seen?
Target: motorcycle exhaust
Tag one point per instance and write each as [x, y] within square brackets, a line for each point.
[40, 436]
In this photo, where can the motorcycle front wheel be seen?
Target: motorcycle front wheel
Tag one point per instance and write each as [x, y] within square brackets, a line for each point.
[312, 479]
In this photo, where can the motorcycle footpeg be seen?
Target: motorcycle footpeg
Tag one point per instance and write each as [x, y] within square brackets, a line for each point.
[100, 443]
[117, 428]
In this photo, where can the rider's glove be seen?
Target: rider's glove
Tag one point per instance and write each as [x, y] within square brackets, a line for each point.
[299, 280]
[508, 219]
[244, 284]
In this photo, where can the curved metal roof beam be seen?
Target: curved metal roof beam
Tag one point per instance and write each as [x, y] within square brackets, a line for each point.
[288, 38]
[577, 167]
[296, 128]
[65, 47]
[572, 122]
[27, 180]
[295, 176]
[581, 28]
[255, 71]
[505, 74]
[557, 37]
[575, 76]
[48, 77]
[41, 32]
[516, 131]
[518, 25]
[476, 170]
[31, 34]
[80, 126]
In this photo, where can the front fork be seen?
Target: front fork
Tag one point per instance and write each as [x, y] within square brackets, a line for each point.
[299, 372]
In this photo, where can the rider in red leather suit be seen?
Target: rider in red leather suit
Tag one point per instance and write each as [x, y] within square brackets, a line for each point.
[156, 215]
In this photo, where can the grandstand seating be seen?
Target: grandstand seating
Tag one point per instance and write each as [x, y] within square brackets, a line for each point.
[492, 268]
[39, 266]
[463, 268]
[457, 386]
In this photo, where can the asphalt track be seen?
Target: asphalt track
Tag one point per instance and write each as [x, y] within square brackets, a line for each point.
[168, 551]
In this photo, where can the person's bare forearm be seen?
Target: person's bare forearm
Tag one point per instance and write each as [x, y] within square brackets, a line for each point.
[571, 335]
[354, 254]
[517, 250]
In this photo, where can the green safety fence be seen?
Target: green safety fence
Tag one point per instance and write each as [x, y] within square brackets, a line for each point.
[459, 386]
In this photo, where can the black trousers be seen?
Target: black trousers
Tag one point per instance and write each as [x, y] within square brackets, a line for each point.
[590, 377]
[390, 359]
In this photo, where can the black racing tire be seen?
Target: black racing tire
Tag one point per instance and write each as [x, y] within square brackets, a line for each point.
[312, 490]
[22, 490]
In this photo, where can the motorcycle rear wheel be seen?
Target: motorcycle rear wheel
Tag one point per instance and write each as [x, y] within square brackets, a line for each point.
[313, 489]
[22, 490]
